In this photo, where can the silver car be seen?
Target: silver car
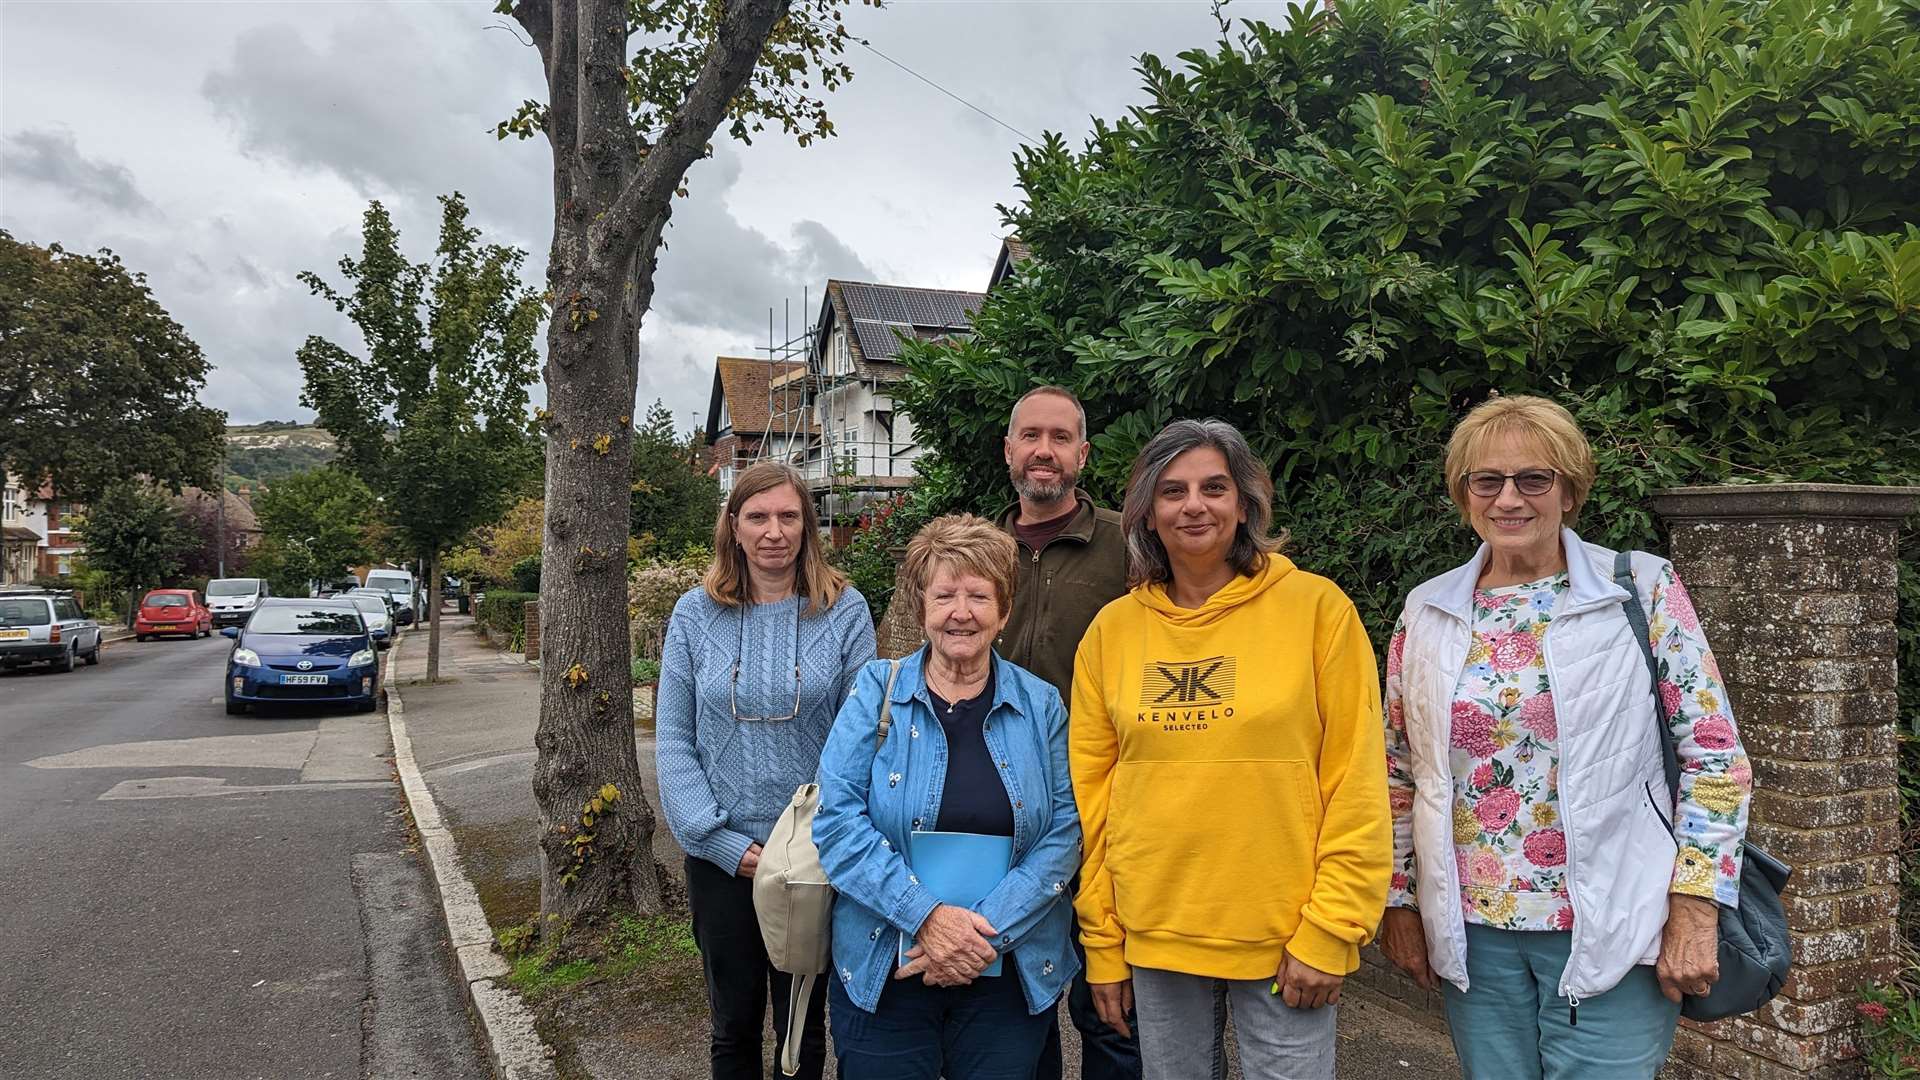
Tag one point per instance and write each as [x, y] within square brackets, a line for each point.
[378, 613]
[45, 626]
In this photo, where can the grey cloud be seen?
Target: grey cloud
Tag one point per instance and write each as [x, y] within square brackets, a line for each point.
[52, 157]
[717, 272]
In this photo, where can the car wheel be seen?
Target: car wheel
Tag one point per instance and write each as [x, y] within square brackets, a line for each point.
[65, 663]
[93, 655]
[236, 708]
[139, 637]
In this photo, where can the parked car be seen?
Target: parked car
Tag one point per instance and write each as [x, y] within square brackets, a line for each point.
[233, 599]
[378, 611]
[45, 626]
[172, 611]
[400, 585]
[304, 650]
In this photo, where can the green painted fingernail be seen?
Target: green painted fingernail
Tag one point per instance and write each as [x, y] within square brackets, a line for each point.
[1275, 988]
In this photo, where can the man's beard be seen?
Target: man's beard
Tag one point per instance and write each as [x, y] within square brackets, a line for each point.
[1040, 491]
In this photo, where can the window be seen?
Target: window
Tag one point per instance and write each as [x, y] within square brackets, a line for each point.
[9, 504]
[320, 621]
[68, 610]
[24, 613]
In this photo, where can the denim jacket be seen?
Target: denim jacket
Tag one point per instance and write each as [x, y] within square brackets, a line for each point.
[870, 802]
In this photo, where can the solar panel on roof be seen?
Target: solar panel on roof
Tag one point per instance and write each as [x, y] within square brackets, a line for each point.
[877, 341]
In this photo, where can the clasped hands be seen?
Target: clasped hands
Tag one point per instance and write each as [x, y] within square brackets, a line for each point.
[951, 948]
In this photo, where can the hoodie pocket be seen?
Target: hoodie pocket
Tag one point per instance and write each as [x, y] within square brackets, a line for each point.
[1213, 849]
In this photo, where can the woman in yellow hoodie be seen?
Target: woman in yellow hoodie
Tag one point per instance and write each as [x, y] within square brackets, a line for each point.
[1230, 770]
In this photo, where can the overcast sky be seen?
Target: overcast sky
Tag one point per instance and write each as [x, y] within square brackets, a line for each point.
[221, 147]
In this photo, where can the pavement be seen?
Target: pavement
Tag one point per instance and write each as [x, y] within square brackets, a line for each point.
[195, 895]
[472, 737]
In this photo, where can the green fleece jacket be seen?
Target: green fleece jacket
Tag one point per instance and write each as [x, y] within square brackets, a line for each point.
[1060, 588]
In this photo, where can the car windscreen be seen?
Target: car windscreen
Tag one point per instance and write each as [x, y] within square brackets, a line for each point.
[164, 600]
[233, 587]
[25, 613]
[386, 581]
[369, 603]
[293, 620]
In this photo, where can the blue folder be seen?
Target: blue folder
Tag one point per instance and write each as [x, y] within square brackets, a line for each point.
[959, 869]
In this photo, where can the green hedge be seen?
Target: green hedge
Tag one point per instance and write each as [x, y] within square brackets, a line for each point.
[504, 614]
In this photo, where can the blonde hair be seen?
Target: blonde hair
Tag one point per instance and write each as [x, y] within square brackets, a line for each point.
[962, 542]
[1544, 422]
[727, 580]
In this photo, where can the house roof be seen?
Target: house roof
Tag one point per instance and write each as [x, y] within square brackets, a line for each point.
[878, 315]
[1013, 252]
[19, 532]
[741, 384]
[240, 515]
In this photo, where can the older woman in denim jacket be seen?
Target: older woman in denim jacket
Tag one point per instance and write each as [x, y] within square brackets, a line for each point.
[975, 745]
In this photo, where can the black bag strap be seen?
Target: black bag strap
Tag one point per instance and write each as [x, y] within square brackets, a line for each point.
[1637, 618]
[886, 705]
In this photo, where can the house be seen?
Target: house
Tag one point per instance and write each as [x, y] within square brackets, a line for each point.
[866, 446]
[1013, 252]
[757, 411]
[20, 540]
[56, 516]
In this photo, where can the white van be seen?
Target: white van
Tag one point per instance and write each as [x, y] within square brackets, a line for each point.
[399, 585]
[232, 599]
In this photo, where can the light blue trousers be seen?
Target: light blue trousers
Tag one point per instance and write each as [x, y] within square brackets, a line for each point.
[1514, 1025]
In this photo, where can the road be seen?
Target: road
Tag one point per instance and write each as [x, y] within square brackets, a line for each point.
[189, 894]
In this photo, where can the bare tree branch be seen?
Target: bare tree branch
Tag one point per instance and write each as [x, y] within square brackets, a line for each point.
[729, 63]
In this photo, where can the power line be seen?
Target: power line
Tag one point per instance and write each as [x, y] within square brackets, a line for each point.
[948, 92]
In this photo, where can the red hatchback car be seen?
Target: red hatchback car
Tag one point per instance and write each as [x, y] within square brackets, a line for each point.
[172, 611]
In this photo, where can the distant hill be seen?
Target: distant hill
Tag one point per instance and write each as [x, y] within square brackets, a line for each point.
[260, 454]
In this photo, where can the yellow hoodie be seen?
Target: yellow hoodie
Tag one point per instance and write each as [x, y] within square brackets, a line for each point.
[1230, 769]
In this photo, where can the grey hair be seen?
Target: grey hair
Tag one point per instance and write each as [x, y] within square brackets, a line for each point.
[1056, 391]
[1147, 561]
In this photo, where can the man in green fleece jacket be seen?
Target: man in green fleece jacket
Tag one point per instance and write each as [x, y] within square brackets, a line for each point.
[1073, 561]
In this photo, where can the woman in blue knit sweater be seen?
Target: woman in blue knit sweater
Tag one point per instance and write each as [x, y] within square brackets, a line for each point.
[756, 663]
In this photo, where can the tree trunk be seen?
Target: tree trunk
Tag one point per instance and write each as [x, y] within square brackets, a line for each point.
[433, 613]
[612, 198]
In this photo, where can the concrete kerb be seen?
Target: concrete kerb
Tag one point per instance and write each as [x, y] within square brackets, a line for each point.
[517, 1051]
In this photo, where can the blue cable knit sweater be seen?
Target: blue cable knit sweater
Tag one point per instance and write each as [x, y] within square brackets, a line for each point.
[724, 783]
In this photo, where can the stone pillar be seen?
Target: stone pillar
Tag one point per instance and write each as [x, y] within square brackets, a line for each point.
[1795, 586]
[898, 634]
[531, 614]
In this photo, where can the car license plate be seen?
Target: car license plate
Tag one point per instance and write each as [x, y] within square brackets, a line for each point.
[166, 626]
[12, 635]
[303, 680]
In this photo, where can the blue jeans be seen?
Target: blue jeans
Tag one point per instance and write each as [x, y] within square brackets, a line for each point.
[1514, 1025]
[981, 1031]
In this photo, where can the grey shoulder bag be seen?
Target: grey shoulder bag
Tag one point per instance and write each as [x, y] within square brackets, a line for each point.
[1754, 946]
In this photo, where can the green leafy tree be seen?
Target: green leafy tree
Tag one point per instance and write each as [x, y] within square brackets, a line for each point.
[315, 525]
[97, 382]
[674, 497]
[433, 418]
[1696, 224]
[135, 536]
[635, 93]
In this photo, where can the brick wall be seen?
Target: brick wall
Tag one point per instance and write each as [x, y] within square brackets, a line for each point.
[533, 629]
[1795, 584]
[898, 634]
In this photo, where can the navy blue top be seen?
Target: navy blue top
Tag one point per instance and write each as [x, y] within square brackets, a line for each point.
[973, 800]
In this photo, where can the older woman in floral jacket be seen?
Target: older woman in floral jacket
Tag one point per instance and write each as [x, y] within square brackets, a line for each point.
[1545, 880]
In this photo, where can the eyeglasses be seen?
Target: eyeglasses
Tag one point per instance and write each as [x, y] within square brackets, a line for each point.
[739, 649]
[1488, 483]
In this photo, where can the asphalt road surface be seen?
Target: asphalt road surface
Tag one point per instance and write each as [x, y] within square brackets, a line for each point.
[189, 894]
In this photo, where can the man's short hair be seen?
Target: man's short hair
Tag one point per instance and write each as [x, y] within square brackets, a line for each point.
[1056, 391]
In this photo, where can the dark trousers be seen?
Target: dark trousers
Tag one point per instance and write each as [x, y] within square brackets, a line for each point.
[1105, 1054]
[739, 978]
[981, 1031]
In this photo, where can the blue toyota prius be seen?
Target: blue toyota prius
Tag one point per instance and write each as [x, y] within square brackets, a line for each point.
[304, 650]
